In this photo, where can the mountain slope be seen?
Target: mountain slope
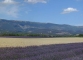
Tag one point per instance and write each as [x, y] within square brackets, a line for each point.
[35, 27]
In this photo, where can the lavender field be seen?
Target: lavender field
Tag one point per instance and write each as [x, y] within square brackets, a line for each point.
[73, 51]
[65, 49]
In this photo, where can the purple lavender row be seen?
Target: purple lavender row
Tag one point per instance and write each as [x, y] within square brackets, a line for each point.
[45, 52]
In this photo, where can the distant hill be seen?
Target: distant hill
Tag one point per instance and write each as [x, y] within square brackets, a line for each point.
[36, 27]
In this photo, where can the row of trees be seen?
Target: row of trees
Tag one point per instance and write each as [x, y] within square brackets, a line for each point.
[38, 35]
[23, 34]
[80, 35]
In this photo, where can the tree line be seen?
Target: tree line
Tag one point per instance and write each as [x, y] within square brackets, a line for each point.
[38, 35]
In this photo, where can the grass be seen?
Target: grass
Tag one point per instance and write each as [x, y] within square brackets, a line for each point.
[23, 42]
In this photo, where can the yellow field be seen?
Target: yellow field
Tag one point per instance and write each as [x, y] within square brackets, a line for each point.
[23, 42]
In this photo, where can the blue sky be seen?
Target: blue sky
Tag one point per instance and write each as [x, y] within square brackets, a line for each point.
[47, 11]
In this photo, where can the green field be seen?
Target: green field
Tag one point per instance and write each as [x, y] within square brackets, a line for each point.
[23, 42]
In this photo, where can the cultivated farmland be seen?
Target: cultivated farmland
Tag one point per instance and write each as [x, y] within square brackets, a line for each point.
[41, 48]
[23, 42]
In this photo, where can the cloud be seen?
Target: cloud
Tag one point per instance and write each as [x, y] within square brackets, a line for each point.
[12, 8]
[69, 10]
[10, 11]
[8, 2]
[36, 1]
[9, 7]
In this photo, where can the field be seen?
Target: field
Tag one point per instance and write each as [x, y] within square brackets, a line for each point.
[23, 42]
[41, 48]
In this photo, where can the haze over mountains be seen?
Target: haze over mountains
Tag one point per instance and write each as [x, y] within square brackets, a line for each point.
[38, 28]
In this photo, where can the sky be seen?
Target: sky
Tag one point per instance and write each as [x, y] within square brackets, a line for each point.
[44, 11]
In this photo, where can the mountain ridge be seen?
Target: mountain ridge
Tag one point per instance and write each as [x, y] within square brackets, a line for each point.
[17, 26]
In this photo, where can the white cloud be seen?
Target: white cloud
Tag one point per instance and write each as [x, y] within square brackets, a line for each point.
[69, 10]
[9, 7]
[36, 1]
[8, 2]
[13, 11]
